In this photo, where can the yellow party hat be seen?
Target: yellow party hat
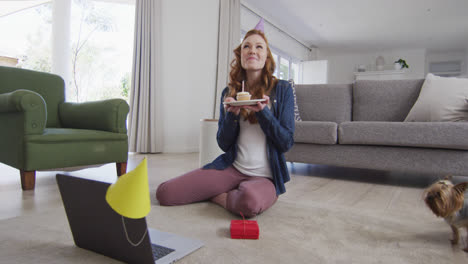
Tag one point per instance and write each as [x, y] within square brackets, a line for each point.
[129, 195]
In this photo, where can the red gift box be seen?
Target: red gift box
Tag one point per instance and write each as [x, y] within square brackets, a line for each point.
[244, 229]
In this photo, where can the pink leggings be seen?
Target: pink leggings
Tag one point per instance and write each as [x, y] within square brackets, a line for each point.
[245, 194]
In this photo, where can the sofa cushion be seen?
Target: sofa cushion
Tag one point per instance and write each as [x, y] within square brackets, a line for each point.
[316, 132]
[324, 102]
[448, 135]
[441, 99]
[384, 100]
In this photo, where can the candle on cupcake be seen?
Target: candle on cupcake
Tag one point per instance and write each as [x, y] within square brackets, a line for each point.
[243, 96]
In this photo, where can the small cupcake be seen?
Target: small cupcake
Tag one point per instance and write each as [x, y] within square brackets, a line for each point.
[243, 96]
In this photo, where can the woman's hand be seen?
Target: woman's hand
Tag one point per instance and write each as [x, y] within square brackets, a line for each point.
[230, 108]
[259, 106]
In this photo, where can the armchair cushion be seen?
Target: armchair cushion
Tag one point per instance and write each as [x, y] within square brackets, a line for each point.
[56, 135]
[64, 147]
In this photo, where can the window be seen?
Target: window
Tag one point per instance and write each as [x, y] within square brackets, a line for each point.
[287, 67]
[276, 59]
[26, 35]
[294, 72]
[101, 44]
[284, 69]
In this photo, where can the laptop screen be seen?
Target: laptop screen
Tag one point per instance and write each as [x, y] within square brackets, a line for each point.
[97, 227]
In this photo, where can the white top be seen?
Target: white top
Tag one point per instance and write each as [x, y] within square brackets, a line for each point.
[252, 159]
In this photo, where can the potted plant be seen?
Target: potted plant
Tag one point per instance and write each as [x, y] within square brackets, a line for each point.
[400, 64]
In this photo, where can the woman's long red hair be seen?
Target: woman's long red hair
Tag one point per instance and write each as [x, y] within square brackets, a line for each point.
[237, 75]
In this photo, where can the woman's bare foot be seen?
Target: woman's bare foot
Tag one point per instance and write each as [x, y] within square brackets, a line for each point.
[220, 199]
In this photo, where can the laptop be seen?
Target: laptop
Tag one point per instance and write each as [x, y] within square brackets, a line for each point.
[97, 227]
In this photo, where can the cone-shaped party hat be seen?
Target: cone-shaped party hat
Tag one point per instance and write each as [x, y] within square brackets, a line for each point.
[260, 25]
[129, 195]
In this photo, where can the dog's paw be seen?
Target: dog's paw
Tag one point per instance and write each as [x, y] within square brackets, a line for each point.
[454, 241]
[465, 249]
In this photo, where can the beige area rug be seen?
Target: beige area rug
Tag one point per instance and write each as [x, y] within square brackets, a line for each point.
[297, 229]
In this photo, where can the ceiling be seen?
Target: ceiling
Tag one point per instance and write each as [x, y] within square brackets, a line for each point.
[365, 25]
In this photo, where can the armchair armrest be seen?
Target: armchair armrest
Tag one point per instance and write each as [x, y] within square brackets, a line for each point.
[28, 103]
[107, 115]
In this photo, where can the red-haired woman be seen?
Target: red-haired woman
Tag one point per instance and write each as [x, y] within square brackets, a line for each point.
[251, 174]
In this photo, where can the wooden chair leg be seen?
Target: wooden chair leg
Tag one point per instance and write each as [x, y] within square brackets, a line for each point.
[28, 180]
[121, 168]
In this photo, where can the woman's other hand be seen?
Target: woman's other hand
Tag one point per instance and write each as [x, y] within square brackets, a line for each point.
[259, 106]
[230, 108]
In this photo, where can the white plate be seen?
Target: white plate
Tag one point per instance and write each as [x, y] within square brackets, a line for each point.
[245, 102]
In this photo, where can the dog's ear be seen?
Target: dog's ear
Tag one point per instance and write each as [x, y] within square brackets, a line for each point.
[461, 187]
[448, 177]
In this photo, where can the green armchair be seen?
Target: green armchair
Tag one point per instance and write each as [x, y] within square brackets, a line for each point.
[40, 131]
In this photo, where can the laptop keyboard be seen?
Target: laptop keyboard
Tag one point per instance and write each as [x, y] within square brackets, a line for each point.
[160, 251]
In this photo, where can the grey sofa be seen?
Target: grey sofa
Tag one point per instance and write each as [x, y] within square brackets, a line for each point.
[361, 125]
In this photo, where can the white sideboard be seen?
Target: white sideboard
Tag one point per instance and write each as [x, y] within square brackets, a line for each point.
[380, 75]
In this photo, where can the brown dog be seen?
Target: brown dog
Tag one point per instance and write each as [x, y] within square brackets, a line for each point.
[448, 201]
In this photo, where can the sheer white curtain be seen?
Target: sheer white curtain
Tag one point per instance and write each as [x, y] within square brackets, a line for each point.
[145, 118]
[228, 39]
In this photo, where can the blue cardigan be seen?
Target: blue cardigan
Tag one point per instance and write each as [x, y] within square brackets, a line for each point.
[278, 126]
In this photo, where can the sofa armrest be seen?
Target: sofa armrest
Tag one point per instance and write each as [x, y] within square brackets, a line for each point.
[107, 115]
[28, 103]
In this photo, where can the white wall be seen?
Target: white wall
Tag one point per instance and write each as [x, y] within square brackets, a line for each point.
[343, 65]
[314, 72]
[275, 37]
[189, 58]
